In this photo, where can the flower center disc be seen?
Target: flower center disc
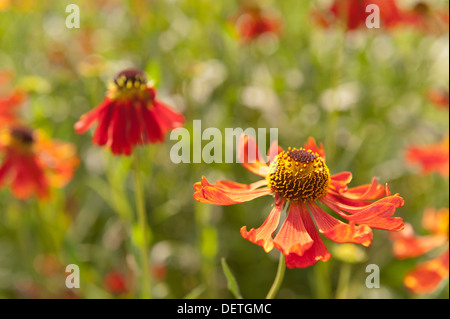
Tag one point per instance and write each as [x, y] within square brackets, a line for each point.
[129, 84]
[299, 174]
[22, 136]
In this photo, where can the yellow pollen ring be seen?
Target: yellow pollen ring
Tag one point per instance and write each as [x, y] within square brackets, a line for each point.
[17, 138]
[299, 174]
[128, 85]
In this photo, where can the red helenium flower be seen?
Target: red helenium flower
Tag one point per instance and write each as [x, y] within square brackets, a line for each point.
[427, 276]
[115, 283]
[353, 13]
[439, 97]
[251, 22]
[301, 178]
[32, 163]
[431, 158]
[129, 115]
[426, 18]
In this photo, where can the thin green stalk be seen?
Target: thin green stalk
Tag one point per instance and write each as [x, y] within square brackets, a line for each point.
[278, 278]
[343, 283]
[142, 220]
[321, 281]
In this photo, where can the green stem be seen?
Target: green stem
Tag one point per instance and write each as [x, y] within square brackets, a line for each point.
[343, 283]
[278, 278]
[142, 219]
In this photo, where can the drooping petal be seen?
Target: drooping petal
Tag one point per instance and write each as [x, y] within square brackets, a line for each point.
[119, 135]
[219, 195]
[168, 118]
[101, 134]
[250, 157]
[152, 131]
[427, 277]
[262, 236]
[88, 119]
[293, 238]
[134, 124]
[407, 245]
[338, 231]
[377, 215]
[28, 178]
[316, 252]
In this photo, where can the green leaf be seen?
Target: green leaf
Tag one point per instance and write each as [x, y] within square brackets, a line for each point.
[232, 284]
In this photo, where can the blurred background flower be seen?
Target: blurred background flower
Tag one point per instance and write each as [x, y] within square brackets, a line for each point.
[426, 277]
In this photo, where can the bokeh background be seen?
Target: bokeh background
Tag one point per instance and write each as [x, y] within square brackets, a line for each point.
[361, 93]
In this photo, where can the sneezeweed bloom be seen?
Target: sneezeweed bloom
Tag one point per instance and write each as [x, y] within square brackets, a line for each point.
[439, 97]
[427, 276]
[425, 18]
[300, 178]
[253, 21]
[431, 158]
[115, 283]
[31, 162]
[129, 115]
[352, 14]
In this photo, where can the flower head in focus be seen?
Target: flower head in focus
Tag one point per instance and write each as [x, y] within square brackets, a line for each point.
[300, 178]
[431, 158]
[427, 276]
[31, 163]
[129, 115]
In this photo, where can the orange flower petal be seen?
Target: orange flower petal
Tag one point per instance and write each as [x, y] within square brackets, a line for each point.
[250, 157]
[377, 215]
[427, 277]
[341, 180]
[293, 236]
[59, 159]
[338, 231]
[312, 145]
[240, 187]
[218, 195]
[316, 252]
[407, 245]
[431, 158]
[364, 192]
[262, 236]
